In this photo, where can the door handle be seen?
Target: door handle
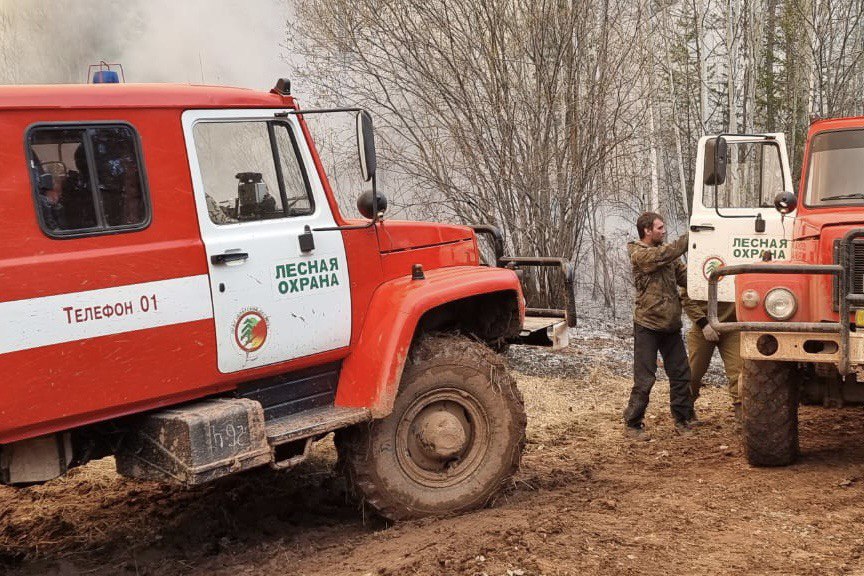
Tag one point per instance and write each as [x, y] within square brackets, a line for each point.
[229, 258]
[701, 227]
[307, 241]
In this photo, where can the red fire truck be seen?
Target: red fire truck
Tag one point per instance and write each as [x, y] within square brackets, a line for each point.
[179, 289]
[801, 309]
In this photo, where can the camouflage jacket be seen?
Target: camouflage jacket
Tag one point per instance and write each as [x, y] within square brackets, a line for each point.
[657, 273]
[697, 310]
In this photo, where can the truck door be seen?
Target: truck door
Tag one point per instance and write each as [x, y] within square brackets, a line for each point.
[733, 220]
[280, 290]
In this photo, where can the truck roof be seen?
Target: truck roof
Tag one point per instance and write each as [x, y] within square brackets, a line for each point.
[837, 123]
[185, 96]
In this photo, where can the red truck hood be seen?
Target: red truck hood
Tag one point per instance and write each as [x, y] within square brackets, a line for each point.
[810, 225]
[815, 239]
[396, 235]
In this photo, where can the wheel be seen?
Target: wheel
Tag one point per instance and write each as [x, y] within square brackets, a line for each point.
[453, 440]
[769, 402]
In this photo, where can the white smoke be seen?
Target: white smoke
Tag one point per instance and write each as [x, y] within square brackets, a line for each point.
[223, 42]
[219, 42]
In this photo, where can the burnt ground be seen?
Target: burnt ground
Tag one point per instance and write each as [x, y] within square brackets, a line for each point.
[586, 501]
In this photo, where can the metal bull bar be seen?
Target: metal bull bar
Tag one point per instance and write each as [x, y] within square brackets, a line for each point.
[846, 299]
[566, 267]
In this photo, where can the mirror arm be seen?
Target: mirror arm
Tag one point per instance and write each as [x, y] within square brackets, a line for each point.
[714, 171]
[375, 214]
[294, 112]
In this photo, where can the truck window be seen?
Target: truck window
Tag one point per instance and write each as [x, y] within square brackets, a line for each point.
[754, 176]
[835, 172]
[251, 171]
[87, 179]
[296, 182]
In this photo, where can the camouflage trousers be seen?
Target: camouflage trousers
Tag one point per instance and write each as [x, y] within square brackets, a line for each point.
[700, 352]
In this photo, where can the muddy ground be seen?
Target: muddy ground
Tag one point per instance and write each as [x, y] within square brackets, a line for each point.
[587, 501]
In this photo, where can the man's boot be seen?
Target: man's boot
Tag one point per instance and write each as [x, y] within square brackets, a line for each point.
[637, 433]
[684, 428]
[693, 421]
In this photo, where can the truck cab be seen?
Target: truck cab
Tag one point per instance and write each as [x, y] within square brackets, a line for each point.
[801, 310]
[179, 289]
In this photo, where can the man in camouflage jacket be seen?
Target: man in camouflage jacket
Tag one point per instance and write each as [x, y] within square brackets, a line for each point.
[657, 273]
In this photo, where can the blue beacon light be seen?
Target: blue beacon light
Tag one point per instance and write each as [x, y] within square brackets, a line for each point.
[106, 77]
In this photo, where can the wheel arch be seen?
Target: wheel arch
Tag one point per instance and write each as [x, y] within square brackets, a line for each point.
[482, 302]
[492, 317]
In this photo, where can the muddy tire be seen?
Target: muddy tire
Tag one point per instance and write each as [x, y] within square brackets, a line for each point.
[769, 400]
[453, 440]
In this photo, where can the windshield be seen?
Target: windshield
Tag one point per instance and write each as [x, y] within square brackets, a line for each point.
[836, 171]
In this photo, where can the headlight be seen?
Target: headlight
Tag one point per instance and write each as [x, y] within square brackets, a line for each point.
[750, 299]
[780, 304]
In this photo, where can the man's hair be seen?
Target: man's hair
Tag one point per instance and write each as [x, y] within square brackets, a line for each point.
[646, 220]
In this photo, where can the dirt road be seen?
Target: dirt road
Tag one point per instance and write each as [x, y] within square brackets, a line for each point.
[587, 501]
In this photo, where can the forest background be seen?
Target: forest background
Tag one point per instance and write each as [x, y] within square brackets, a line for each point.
[557, 121]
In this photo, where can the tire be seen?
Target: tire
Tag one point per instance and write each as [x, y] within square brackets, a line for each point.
[769, 402]
[452, 442]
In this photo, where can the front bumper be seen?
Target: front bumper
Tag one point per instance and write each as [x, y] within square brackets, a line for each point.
[542, 326]
[824, 342]
[790, 338]
[802, 347]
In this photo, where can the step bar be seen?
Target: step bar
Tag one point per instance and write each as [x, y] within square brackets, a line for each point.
[313, 422]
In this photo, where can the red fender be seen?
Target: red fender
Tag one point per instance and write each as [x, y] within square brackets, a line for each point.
[371, 373]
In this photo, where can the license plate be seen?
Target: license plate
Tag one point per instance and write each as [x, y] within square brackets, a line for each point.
[859, 318]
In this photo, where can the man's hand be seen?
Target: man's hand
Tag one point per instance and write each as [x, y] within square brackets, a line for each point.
[710, 334]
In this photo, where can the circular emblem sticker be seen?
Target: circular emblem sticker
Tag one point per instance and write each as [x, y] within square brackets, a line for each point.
[712, 264]
[250, 331]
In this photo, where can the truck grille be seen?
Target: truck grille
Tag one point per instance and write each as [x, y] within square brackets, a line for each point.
[855, 270]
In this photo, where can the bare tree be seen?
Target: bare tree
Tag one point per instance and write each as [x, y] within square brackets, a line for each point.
[503, 109]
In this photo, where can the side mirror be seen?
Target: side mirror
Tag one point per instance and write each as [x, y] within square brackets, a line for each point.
[369, 202]
[785, 202]
[716, 156]
[366, 145]
[46, 181]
